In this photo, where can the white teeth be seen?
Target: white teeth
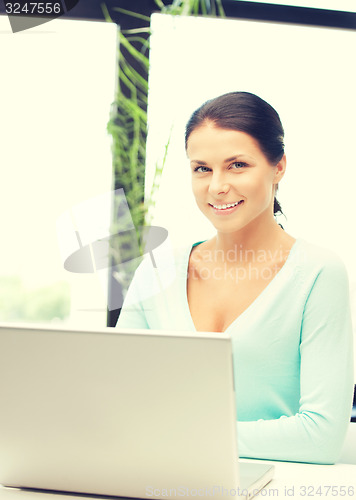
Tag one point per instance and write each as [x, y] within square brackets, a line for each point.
[223, 207]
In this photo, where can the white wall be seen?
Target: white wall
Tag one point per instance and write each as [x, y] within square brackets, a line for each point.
[56, 87]
[306, 73]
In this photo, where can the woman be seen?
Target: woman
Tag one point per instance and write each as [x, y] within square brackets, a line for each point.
[284, 301]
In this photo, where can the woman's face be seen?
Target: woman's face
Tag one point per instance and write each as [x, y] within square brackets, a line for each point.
[233, 182]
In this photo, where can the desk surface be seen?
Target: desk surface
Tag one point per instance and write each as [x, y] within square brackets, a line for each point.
[291, 480]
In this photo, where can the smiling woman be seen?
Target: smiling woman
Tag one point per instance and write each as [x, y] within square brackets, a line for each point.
[284, 301]
[223, 185]
[236, 151]
[264, 137]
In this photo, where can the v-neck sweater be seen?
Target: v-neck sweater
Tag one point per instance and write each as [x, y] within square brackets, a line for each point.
[292, 349]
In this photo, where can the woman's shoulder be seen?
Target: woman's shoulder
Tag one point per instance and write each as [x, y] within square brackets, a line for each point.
[165, 259]
[316, 252]
[314, 259]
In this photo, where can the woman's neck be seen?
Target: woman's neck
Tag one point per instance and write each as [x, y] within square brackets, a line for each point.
[249, 241]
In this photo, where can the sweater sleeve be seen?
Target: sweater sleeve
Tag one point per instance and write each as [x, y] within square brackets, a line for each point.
[132, 314]
[316, 433]
[149, 300]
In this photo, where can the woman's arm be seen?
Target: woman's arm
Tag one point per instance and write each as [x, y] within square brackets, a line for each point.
[316, 433]
[132, 314]
[149, 302]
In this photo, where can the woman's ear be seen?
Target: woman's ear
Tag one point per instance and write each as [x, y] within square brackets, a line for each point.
[280, 169]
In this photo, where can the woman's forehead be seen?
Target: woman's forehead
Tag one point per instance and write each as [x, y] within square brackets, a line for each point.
[209, 139]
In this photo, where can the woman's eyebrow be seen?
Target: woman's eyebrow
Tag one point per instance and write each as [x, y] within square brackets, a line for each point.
[236, 157]
[198, 161]
[232, 158]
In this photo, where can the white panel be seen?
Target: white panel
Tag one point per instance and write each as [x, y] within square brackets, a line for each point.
[306, 73]
[57, 84]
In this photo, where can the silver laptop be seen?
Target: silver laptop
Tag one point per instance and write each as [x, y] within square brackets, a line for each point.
[129, 413]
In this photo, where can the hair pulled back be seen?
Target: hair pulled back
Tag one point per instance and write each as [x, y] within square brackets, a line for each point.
[247, 113]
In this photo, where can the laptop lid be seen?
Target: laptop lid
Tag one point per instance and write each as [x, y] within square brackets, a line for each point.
[133, 413]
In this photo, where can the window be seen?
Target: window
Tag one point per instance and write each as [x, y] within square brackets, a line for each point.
[57, 85]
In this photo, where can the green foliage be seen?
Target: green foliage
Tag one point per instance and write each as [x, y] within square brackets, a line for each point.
[192, 7]
[128, 121]
[41, 304]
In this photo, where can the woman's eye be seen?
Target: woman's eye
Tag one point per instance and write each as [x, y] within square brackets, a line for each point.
[201, 169]
[238, 164]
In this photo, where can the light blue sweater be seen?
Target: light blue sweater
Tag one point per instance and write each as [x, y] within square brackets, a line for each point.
[293, 354]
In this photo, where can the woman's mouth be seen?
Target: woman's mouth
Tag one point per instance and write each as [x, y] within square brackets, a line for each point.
[226, 207]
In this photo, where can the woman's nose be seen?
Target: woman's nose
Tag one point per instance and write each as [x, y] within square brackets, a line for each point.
[218, 184]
